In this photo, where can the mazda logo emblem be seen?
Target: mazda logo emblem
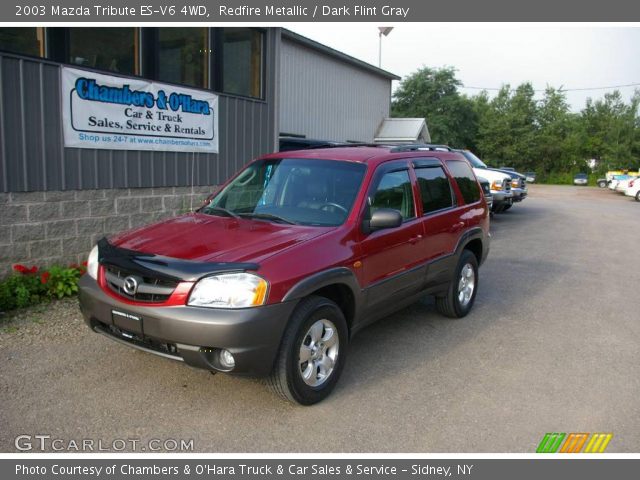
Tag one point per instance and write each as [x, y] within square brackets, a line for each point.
[130, 285]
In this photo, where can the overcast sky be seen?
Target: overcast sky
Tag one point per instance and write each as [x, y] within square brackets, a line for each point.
[489, 55]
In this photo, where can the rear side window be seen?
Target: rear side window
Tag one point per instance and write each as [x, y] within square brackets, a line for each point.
[394, 191]
[435, 189]
[465, 179]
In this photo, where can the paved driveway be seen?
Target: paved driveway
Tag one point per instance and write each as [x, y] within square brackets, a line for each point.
[551, 345]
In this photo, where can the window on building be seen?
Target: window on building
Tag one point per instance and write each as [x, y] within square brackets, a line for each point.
[394, 191]
[466, 180]
[184, 56]
[242, 61]
[26, 41]
[112, 49]
[435, 189]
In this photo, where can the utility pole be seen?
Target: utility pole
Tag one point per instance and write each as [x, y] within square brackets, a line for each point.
[382, 31]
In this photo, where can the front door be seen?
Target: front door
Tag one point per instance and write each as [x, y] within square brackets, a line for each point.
[392, 259]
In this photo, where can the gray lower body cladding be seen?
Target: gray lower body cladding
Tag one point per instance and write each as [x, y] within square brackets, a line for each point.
[190, 334]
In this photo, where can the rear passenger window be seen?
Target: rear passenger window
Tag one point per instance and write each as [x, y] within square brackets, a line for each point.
[465, 179]
[435, 189]
[394, 191]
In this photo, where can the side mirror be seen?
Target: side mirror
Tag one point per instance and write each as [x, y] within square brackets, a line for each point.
[383, 218]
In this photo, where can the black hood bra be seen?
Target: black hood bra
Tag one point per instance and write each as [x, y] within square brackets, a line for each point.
[168, 268]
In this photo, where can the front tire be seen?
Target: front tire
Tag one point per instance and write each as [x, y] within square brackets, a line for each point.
[312, 353]
[602, 184]
[462, 291]
[638, 196]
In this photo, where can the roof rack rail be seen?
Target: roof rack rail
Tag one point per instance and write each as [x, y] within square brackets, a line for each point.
[411, 147]
[347, 145]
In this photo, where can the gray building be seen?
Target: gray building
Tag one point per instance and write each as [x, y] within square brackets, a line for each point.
[328, 95]
[56, 200]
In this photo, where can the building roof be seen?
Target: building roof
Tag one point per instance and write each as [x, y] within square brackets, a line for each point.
[307, 42]
[402, 130]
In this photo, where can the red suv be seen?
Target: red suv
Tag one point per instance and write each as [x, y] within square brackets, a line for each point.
[279, 268]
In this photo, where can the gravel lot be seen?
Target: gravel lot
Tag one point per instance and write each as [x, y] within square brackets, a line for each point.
[551, 345]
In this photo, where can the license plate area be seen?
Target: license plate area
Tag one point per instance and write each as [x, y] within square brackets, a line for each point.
[127, 321]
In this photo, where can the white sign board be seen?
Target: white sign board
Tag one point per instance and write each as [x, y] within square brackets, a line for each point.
[103, 111]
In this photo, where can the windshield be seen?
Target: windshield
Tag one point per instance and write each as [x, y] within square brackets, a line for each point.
[473, 160]
[289, 190]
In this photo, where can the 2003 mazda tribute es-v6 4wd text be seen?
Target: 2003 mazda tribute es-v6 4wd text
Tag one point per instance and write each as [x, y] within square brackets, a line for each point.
[278, 270]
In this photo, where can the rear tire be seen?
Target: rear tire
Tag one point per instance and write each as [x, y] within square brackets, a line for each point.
[462, 290]
[312, 353]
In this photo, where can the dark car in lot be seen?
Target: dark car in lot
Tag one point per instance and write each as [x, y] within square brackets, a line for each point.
[486, 189]
[290, 258]
[287, 144]
[581, 179]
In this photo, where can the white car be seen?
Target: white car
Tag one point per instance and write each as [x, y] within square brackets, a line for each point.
[615, 180]
[499, 183]
[633, 189]
[621, 186]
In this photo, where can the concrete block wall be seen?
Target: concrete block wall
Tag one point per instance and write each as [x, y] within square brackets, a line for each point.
[61, 227]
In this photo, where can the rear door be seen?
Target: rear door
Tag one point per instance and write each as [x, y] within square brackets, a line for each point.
[473, 208]
[442, 218]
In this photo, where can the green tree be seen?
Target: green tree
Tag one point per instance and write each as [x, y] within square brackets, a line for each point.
[507, 134]
[610, 131]
[433, 94]
[515, 128]
[557, 143]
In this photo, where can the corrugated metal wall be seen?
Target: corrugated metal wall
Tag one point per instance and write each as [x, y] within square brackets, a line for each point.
[329, 99]
[33, 156]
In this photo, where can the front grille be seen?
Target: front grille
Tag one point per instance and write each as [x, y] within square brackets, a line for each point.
[149, 289]
[506, 184]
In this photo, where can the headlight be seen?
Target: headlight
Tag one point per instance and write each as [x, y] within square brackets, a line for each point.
[92, 263]
[229, 290]
[496, 185]
[515, 183]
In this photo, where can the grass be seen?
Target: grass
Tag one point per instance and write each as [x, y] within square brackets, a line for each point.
[566, 179]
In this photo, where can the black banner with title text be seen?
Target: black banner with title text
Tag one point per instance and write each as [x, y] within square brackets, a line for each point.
[282, 11]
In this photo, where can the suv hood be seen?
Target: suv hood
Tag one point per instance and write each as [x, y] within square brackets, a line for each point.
[207, 238]
[490, 175]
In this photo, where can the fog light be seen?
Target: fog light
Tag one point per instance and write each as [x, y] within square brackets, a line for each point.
[226, 359]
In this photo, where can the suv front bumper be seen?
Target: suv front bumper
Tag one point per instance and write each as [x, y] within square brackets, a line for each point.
[194, 335]
[519, 194]
[500, 197]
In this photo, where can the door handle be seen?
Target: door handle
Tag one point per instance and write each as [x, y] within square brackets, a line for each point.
[416, 239]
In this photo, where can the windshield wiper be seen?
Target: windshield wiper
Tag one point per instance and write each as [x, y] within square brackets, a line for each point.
[268, 216]
[228, 213]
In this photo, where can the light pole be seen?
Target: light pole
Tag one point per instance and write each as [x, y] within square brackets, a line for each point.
[382, 31]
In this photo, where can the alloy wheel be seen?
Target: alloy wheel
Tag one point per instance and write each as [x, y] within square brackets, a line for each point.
[318, 353]
[466, 284]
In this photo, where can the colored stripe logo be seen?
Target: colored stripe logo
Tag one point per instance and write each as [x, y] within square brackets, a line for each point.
[574, 442]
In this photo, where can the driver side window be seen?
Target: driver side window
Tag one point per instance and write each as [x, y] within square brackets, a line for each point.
[394, 191]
